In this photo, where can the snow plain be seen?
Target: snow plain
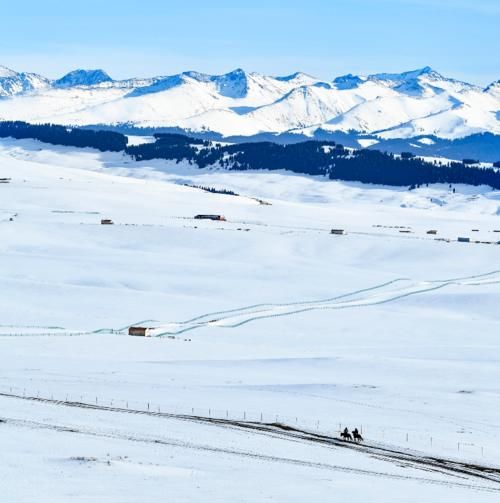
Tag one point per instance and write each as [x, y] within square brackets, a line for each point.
[395, 332]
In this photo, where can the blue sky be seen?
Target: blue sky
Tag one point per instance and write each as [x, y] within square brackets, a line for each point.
[326, 38]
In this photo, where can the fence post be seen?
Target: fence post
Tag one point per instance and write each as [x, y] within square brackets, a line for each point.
[261, 417]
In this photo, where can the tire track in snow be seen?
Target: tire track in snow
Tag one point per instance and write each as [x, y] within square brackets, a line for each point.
[286, 304]
[377, 295]
[370, 296]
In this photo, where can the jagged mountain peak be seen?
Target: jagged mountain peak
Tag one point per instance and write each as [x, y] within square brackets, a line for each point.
[421, 82]
[245, 103]
[408, 81]
[292, 76]
[238, 73]
[233, 84]
[494, 86]
[298, 77]
[349, 81]
[83, 77]
[409, 75]
[13, 83]
[6, 72]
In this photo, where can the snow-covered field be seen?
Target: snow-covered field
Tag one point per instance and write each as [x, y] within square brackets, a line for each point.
[266, 318]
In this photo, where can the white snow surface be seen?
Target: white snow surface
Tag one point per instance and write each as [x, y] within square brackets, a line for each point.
[420, 102]
[265, 317]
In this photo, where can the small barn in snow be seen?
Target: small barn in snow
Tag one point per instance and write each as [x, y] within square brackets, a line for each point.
[140, 331]
[219, 218]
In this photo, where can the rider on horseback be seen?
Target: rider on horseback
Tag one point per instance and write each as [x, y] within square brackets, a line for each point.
[345, 435]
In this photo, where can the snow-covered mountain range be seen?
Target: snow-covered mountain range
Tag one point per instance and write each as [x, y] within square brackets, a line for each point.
[403, 105]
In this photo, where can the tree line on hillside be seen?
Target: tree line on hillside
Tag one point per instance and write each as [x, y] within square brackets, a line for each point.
[324, 158]
[318, 158]
[212, 190]
[66, 136]
[483, 146]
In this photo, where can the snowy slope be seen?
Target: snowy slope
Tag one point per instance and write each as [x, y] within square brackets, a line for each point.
[13, 83]
[303, 107]
[241, 103]
[391, 331]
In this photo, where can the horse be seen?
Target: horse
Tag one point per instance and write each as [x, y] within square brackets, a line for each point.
[346, 436]
[357, 436]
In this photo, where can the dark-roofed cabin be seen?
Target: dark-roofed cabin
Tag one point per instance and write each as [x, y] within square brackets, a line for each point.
[140, 331]
[219, 218]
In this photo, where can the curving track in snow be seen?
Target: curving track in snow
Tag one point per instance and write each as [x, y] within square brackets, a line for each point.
[390, 291]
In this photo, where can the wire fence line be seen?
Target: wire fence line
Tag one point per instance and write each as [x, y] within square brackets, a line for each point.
[376, 295]
[413, 440]
[43, 334]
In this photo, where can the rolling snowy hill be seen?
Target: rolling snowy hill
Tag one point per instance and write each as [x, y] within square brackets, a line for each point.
[415, 103]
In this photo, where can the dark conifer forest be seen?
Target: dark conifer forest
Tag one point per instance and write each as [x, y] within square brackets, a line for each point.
[317, 158]
[321, 158]
[66, 136]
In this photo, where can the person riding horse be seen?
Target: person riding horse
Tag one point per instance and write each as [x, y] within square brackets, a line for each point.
[357, 436]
